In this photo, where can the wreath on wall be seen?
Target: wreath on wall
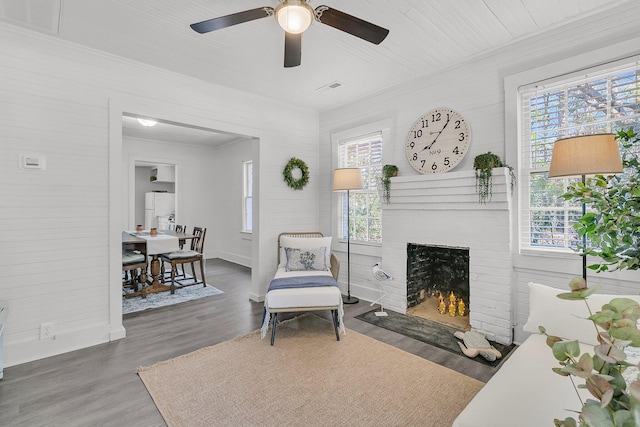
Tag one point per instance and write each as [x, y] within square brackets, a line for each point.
[299, 183]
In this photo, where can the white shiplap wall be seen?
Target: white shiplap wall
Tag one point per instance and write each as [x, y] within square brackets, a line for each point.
[59, 228]
[476, 89]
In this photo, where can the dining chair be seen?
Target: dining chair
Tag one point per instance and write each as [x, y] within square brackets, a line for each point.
[187, 256]
[181, 242]
[181, 229]
[131, 263]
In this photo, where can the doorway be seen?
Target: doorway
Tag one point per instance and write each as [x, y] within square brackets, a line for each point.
[203, 168]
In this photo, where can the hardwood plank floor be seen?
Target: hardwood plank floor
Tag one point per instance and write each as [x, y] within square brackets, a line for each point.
[98, 386]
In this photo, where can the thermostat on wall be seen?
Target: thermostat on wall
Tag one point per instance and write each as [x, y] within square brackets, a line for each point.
[33, 161]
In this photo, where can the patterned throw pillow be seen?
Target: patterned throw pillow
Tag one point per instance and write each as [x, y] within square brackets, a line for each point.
[305, 243]
[306, 259]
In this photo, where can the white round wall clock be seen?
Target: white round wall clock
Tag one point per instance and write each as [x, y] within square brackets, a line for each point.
[438, 141]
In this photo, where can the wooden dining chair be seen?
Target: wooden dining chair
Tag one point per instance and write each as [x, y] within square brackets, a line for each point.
[188, 256]
[135, 265]
[181, 229]
[181, 242]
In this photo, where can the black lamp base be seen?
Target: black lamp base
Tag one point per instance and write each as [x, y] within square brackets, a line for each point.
[349, 299]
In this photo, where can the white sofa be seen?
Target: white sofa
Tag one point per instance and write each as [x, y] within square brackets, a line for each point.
[525, 391]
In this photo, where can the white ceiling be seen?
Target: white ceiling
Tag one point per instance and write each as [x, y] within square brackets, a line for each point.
[425, 36]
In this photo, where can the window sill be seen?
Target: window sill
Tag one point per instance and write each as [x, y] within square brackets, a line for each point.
[360, 243]
[358, 247]
[550, 253]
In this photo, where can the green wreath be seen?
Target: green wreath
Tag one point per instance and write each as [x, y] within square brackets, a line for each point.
[296, 184]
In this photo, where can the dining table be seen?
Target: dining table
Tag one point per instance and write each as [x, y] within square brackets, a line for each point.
[164, 241]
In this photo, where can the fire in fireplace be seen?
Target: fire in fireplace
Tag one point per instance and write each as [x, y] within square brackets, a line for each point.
[438, 283]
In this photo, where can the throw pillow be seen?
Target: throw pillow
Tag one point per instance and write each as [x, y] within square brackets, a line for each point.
[306, 259]
[304, 243]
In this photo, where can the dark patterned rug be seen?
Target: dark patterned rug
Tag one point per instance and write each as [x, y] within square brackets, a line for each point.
[430, 332]
[161, 299]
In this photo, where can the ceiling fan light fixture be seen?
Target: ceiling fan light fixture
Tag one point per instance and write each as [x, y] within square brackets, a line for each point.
[294, 16]
[147, 122]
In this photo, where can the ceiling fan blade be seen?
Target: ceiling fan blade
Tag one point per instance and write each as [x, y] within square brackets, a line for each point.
[292, 49]
[350, 24]
[233, 19]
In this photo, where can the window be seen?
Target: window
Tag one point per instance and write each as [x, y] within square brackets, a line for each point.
[603, 100]
[247, 192]
[364, 152]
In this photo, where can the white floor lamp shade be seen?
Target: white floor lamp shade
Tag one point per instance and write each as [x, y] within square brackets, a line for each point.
[348, 179]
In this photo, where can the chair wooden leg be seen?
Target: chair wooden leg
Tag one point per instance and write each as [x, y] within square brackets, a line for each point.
[143, 276]
[193, 270]
[204, 282]
[334, 316]
[173, 279]
[135, 279]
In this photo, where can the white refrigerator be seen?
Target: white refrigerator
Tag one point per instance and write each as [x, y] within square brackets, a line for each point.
[158, 205]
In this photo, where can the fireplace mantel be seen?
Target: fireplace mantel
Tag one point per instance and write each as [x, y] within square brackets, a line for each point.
[446, 191]
[443, 209]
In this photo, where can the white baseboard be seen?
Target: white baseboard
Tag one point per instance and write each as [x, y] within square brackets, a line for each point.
[235, 258]
[28, 351]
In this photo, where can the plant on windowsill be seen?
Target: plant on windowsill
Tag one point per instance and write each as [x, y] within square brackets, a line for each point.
[388, 171]
[617, 403]
[484, 165]
[612, 225]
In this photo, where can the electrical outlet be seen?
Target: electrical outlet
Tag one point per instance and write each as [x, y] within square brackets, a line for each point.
[46, 331]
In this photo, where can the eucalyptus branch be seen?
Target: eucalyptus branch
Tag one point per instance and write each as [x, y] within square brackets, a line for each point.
[602, 371]
[575, 388]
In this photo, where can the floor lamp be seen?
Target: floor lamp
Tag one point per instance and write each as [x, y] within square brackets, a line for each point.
[348, 179]
[580, 156]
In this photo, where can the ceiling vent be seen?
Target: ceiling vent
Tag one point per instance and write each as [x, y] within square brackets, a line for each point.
[333, 85]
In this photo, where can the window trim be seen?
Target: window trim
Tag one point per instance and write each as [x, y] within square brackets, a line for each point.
[592, 60]
[383, 126]
[246, 165]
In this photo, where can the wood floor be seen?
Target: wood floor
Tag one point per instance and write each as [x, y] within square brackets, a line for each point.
[98, 386]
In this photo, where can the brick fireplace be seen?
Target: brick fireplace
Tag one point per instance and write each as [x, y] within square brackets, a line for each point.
[443, 210]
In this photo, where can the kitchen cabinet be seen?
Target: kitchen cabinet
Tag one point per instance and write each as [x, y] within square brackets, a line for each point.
[163, 173]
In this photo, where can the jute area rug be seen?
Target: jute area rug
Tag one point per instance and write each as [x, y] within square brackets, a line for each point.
[306, 379]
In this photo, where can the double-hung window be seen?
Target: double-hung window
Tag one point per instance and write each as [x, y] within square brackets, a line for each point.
[247, 193]
[597, 101]
[363, 152]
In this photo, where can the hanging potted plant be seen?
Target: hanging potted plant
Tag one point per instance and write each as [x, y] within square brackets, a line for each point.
[387, 172]
[484, 165]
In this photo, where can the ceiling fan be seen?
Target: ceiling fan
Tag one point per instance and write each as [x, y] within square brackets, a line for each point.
[295, 16]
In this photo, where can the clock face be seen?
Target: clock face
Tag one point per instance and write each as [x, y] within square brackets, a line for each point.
[438, 141]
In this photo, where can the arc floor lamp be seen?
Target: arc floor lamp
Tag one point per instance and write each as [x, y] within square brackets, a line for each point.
[582, 156]
[348, 179]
